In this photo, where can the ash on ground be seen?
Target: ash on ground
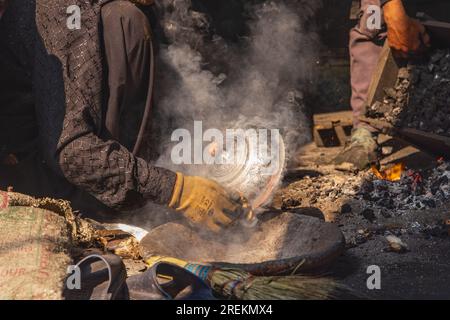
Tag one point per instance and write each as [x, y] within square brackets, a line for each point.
[402, 227]
[338, 191]
[415, 190]
[421, 97]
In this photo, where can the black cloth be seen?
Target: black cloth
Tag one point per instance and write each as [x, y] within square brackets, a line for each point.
[55, 84]
[128, 53]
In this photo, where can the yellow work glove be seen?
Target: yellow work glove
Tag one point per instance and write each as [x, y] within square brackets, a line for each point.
[205, 202]
[405, 35]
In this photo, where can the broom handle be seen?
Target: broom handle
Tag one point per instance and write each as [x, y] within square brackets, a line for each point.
[199, 270]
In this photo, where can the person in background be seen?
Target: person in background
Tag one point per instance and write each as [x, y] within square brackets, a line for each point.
[406, 37]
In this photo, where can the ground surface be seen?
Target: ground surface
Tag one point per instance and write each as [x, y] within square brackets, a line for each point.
[369, 216]
[422, 271]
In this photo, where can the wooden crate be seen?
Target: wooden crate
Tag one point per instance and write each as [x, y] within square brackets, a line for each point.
[331, 129]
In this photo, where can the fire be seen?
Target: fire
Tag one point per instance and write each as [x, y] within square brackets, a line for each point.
[393, 173]
[213, 149]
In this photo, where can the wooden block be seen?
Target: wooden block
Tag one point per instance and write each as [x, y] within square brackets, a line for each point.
[317, 137]
[341, 134]
[335, 122]
[327, 119]
[384, 76]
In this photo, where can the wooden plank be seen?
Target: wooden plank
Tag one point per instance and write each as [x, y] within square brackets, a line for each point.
[340, 134]
[317, 137]
[326, 119]
[434, 143]
[384, 76]
[335, 121]
[430, 142]
[439, 31]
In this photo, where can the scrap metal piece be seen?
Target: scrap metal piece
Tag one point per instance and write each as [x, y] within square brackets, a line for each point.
[136, 232]
[249, 174]
[119, 242]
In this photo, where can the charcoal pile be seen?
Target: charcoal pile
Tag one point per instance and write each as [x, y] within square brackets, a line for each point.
[421, 97]
[415, 190]
[335, 192]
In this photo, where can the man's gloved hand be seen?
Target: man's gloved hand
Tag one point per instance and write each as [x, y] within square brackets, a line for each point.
[405, 35]
[205, 202]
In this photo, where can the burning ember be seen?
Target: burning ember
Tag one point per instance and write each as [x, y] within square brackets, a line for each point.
[413, 190]
[391, 174]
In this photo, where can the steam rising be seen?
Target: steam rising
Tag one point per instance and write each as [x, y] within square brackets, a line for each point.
[256, 82]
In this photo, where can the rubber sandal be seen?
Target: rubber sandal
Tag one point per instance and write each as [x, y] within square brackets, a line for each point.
[102, 278]
[166, 281]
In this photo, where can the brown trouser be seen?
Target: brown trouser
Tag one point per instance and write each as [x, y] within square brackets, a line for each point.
[126, 36]
[365, 48]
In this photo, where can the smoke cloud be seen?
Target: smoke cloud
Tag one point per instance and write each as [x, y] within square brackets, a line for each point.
[256, 82]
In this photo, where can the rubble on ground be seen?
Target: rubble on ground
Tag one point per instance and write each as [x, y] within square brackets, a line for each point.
[421, 97]
[396, 244]
[415, 190]
[321, 189]
[337, 193]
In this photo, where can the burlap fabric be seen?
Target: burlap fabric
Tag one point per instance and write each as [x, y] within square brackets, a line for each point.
[36, 240]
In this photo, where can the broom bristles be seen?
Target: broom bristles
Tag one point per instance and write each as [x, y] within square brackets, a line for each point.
[237, 284]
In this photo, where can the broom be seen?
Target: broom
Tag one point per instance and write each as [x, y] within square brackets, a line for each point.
[241, 285]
